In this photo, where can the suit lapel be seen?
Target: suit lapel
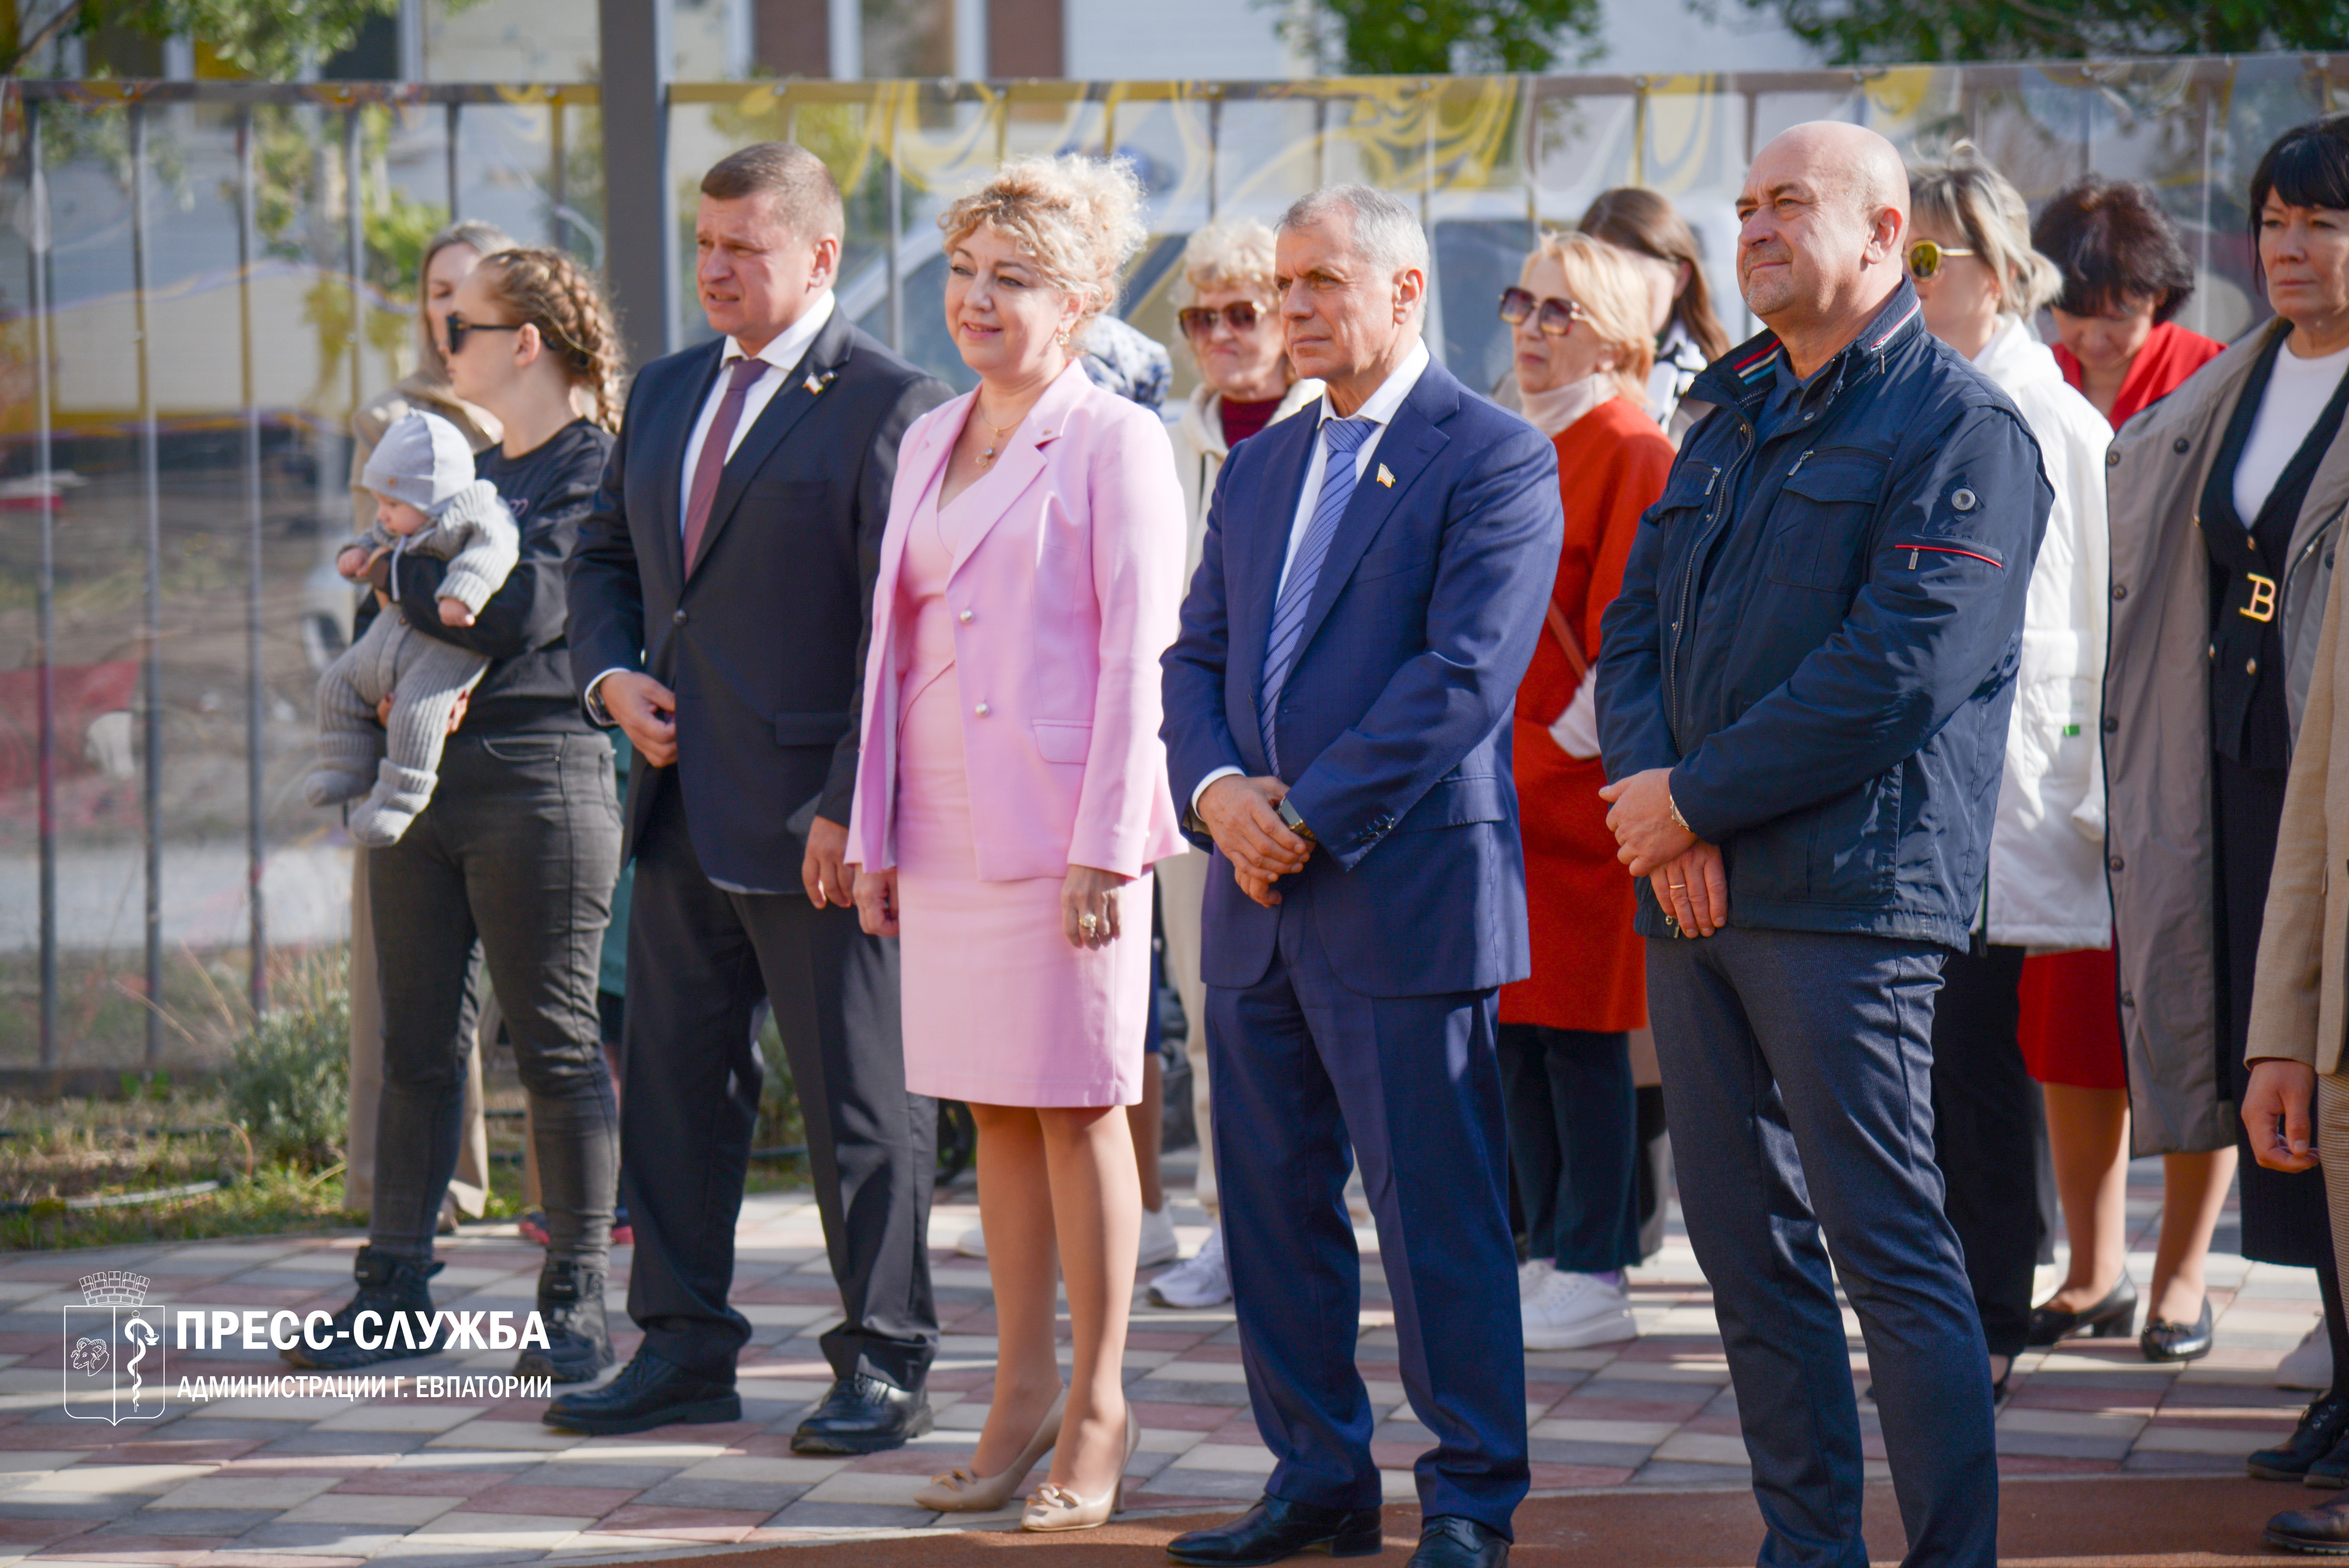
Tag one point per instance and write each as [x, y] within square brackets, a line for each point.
[1258, 551]
[679, 414]
[785, 409]
[1021, 463]
[1406, 450]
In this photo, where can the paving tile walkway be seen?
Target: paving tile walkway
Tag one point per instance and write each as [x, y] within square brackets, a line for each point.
[261, 1482]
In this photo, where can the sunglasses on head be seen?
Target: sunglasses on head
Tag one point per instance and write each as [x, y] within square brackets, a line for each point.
[1198, 321]
[1555, 316]
[458, 326]
[1925, 258]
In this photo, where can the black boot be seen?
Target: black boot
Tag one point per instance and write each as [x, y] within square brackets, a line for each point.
[571, 1307]
[2322, 1427]
[391, 1287]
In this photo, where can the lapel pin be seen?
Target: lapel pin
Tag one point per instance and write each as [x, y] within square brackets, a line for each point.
[816, 384]
[1385, 478]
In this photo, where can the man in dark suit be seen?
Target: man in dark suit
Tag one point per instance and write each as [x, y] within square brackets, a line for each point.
[1337, 718]
[720, 604]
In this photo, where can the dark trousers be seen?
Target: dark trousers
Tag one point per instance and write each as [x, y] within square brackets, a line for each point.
[1573, 1143]
[517, 852]
[1302, 1067]
[1988, 1123]
[1798, 1078]
[700, 958]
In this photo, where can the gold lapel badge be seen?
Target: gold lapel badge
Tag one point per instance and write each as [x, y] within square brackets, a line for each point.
[1386, 478]
[816, 384]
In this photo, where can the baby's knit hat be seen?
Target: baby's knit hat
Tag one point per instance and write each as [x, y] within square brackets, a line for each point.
[422, 460]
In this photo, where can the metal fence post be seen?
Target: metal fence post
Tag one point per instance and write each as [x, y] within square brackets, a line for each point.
[640, 256]
[255, 849]
[452, 133]
[37, 258]
[149, 463]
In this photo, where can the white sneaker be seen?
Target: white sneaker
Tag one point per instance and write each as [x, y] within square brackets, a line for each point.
[972, 1244]
[2309, 1364]
[1532, 1274]
[1159, 1244]
[1205, 1280]
[1575, 1310]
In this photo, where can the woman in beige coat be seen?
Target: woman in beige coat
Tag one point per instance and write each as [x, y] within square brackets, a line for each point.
[1231, 319]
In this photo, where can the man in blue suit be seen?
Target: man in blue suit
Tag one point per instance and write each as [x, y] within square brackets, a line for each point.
[1338, 721]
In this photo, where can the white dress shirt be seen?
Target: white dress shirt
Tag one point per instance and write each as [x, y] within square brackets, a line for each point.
[788, 349]
[782, 354]
[1379, 409]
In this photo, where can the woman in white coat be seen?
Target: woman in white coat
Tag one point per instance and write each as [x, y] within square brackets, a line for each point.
[1230, 317]
[1981, 283]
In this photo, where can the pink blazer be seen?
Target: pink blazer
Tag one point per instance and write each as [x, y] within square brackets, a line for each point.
[1066, 589]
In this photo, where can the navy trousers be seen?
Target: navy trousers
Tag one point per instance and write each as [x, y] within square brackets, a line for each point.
[1798, 1080]
[1302, 1067]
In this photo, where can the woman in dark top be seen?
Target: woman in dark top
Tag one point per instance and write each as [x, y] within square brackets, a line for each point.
[519, 849]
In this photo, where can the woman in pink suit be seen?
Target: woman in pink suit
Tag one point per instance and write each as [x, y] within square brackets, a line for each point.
[1013, 797]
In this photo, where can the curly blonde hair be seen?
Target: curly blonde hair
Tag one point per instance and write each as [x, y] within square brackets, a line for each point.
[1235, 254]
[549, 291]
[1077, 218]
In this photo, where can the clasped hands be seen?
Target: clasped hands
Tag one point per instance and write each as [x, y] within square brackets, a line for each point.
[1244, 816]
[1686, 872]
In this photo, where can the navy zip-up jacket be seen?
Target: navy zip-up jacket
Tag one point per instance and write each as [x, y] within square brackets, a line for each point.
[1819, 628]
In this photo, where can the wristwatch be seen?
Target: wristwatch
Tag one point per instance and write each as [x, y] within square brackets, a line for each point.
[1675, 807]
[1289, 814]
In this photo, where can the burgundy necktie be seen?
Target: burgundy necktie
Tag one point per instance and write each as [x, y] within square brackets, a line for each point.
[712, 461]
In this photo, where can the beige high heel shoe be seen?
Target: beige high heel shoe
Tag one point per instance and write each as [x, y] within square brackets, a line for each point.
[960, 1491]
[1053, 1508]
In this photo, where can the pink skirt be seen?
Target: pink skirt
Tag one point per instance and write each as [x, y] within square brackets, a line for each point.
[999, 1008]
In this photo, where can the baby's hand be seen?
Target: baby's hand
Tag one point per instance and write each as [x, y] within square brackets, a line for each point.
[454, 614]
[352, 561]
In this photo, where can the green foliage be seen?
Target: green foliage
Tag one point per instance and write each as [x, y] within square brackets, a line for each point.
[1856, 32]
[288, 1082]
[1433, 37]
[265, 38]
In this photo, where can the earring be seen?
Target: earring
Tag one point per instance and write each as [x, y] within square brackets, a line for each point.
[1062, 337]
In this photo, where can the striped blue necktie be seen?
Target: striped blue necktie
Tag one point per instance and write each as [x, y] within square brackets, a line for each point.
[1344, 439]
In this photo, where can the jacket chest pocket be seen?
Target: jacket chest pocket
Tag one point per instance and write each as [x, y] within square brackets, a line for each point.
[1819, 537]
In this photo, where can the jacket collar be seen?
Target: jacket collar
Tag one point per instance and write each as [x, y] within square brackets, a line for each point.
[1744, 376]
[1203, 430]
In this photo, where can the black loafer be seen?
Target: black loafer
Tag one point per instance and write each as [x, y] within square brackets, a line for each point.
[863, 1415]
[2322, 1427]
[1276, 1528]
[2322, 1531]
[2166, 1341]
[2112, 1318]
[1450, 1540]
[649, 1392]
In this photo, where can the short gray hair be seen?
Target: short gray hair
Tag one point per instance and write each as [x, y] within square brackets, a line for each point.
[1384, 231]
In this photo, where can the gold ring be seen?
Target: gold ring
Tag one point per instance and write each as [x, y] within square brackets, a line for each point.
[1677, 887]
[1088, 924]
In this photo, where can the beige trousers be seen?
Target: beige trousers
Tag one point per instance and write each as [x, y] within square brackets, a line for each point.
[1181, 889]
[468, 1193]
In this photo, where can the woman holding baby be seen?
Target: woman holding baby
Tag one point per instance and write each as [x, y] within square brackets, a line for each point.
[517, 845]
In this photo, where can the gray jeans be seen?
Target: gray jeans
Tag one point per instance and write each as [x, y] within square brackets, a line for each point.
[519, 851]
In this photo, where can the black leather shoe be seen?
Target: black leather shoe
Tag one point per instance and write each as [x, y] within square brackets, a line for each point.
[649, 1392]
[1276, 1528]
[863, 1415]
[2115, 1317]
[2330, 1473]
[2322, 1531]
[2322, 1427]
[2166, 1341]
[1449, 1540]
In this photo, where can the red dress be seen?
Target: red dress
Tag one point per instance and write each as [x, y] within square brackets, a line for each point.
[1590, 966]
[2071, 1025]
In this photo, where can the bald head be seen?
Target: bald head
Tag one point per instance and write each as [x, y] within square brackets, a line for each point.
[1824, 213]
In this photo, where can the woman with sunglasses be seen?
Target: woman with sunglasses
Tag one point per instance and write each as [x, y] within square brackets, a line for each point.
[1979, 283]
[520, 847]
[1579, 329]
[1231, 319]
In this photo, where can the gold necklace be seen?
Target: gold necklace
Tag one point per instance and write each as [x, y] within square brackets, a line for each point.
[986, 457]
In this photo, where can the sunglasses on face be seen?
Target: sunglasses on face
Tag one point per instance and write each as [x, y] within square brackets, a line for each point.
[1925, 258]
[1554, 316]
[458, 326]
[1198, 321]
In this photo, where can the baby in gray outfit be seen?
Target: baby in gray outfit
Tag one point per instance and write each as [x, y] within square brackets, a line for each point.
[427, 502]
